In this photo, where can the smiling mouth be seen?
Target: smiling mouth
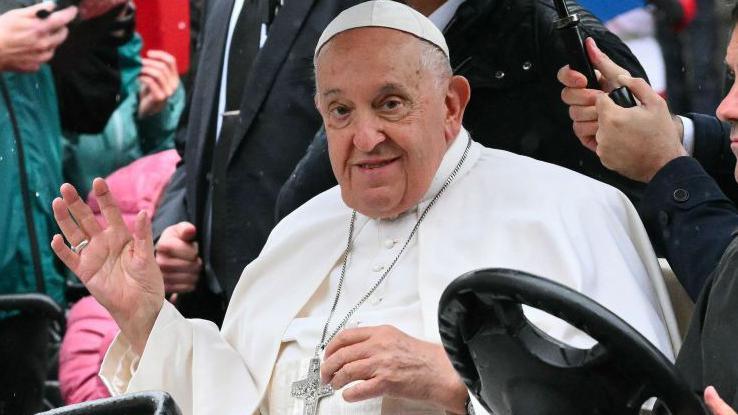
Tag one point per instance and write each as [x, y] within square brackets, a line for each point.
[377, 165]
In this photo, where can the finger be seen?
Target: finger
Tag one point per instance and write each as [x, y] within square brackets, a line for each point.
[586, 129]
[367, 389]
[176, 248]
[61, 18]
[57, 38]
[340, 358]
[579, 113]
[185, 231]
[606, 108]
[69, 258]
[80, 211]
[170, 264]
[609, 69]
[180, 278]
[347, 338]
[642, 91]
[108, 206]
[351, 372]
[155, 88]
[165, 57]
[571, 78]
[580, 97]
[153, 66]
[71, 231]
[143, 244]
[715, 404]
[178, 288]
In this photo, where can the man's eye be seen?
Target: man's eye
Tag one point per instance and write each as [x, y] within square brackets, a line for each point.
[340, 111]
[392, 105]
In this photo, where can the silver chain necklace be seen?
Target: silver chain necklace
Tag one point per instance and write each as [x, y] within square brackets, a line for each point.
[311, 389]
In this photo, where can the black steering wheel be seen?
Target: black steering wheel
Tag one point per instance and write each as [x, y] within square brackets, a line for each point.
[512, 367]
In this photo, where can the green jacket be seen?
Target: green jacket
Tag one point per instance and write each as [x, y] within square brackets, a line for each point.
[33, 97]
[126, 137]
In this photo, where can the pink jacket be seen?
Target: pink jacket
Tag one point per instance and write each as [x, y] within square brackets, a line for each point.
[90, 328]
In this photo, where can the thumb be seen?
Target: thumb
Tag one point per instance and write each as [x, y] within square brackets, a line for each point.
[716, 405]
[640, 89]
[185, 231]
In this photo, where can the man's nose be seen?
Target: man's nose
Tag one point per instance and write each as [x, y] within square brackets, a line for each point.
[728, 108]
[369, 133]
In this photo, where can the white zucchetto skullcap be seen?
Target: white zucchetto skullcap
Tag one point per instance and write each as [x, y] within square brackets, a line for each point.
[384, 13]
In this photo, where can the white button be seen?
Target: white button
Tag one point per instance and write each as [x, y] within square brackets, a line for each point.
[378, 268]
[389, 243]
[376, 300]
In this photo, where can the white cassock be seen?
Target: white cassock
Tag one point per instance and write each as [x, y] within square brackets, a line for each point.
[502, 210]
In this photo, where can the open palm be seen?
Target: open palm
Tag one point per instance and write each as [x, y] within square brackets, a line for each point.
[117, 267]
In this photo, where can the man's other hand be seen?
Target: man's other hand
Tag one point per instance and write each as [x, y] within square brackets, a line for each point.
[177, 256]
[118, 268]
[715, 404]
[159, 81]
[389, 362]
[26, 41]
[635, 142]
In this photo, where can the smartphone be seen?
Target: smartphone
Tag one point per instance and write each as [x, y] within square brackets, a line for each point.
[60, 4]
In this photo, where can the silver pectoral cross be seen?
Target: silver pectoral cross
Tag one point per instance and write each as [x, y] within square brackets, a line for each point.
[311, 389]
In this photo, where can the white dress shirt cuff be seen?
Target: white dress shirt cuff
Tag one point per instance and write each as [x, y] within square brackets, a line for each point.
[688, 137]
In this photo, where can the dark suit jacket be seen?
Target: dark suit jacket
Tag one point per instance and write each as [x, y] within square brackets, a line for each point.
[277, 122]
[709, 355]
[687, 214]
[510, 52]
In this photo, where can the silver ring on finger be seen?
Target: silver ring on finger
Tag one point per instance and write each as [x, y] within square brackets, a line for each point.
[77, 249]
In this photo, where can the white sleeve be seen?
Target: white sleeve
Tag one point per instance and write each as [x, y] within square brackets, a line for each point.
[688, 136]
[190, 360]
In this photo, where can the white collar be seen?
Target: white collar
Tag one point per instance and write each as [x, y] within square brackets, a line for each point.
[448, 164]
[443, 15]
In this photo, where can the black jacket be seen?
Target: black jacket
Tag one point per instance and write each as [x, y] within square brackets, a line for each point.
[687, 214]
[708, 355]
[510, 53]
[277, 122]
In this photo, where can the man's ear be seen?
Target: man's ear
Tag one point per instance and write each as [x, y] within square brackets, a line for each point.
[457, 97]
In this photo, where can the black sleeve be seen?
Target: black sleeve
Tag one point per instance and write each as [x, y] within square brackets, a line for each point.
[86, 70]
[689, 220]
[708, 355]
[712, 150]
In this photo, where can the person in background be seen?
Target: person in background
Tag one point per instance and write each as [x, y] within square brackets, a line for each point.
[45, 67]
[683, 207]
[152, 100]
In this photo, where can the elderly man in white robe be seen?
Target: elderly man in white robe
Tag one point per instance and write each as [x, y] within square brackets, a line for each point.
[338, 313]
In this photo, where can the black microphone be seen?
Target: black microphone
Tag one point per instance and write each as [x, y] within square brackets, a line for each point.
[568, 27]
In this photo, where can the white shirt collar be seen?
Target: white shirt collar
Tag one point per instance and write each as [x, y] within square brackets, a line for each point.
[443, 15]
[448, 164]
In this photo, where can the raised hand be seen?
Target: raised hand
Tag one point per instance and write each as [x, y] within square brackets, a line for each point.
[389, 362]
[27, 42]
[159, 81]
[117, 268]
[177, 256]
